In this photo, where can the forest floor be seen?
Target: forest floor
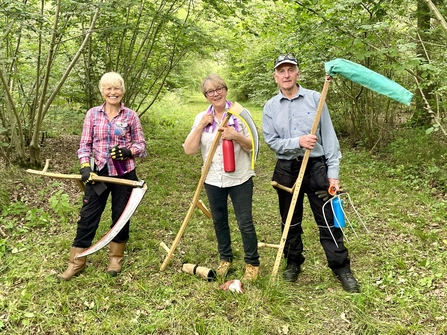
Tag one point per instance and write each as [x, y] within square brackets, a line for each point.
[400, 258]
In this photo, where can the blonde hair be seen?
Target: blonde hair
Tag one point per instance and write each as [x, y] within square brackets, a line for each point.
[111, 79]
[213, 79]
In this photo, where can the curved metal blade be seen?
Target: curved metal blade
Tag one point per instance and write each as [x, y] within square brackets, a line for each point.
[245, 116]
[134, 200]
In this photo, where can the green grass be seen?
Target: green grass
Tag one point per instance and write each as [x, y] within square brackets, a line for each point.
[401, 263]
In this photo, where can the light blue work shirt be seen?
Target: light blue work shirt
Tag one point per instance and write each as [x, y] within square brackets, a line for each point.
[284, 120]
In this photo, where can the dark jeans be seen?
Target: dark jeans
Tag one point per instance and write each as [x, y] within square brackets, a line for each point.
[241, 197]
[286, 173]
[93, 206]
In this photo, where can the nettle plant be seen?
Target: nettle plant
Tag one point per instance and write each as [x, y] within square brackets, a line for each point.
[59, 203]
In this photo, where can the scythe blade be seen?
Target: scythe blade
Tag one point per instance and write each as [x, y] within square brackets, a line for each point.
[368, 78]
[245, 116]
[134, 200]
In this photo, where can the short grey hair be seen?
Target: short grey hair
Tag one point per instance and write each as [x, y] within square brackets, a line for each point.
[213, 79]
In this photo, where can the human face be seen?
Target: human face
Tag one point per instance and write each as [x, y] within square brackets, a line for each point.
[217, 96]
[286, 76]
[112, 94]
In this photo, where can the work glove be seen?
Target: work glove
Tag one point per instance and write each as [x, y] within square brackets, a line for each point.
[86, 174]
[323, 195]
[120, 153]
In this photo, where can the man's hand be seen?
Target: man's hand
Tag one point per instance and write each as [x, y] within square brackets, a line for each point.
[86, 174]
[120, 153]
[308, 141]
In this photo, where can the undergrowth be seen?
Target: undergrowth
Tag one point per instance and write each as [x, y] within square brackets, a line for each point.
[399, 256]
[418, 159]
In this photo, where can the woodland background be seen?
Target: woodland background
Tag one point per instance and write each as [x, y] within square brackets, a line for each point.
[52, 54]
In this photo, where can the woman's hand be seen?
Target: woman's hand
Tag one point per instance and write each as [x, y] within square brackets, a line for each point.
[192, 142]
[229, 133]
[207, 119]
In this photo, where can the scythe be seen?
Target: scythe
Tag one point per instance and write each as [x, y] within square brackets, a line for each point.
[358, 74]
[138, 191]
[243, 114]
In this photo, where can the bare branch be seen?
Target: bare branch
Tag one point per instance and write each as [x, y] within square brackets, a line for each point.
[437, 14]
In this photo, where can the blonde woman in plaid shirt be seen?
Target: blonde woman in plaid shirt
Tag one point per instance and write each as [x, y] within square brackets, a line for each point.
[111, 132]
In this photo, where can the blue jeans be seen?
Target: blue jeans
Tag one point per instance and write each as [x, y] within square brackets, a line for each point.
[241, 197]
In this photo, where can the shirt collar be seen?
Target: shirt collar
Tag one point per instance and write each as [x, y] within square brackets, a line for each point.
[103, 107]
[298, 94]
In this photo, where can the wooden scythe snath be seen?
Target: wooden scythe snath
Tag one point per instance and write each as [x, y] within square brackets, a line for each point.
[237, 110]
[78, 177]
[195, 199]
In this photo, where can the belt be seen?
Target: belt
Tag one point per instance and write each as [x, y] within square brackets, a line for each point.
[299, 159]
[296, 159]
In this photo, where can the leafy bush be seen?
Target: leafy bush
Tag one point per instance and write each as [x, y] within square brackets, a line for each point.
[416, 157]
[60, 205]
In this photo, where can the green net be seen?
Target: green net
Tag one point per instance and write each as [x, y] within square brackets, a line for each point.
[368, 78]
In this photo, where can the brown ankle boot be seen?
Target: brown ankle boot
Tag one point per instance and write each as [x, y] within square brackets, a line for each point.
[75, 266]
[116, 256]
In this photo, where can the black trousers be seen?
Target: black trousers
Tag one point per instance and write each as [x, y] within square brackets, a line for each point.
[93, 206]
[315, 179]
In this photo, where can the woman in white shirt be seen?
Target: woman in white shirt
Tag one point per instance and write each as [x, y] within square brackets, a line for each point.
[218, 183]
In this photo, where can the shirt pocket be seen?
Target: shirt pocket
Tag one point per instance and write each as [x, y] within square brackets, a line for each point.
[120, 129]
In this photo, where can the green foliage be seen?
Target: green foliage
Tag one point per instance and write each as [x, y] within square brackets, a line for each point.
[176, 110]
[365, 32]
[15, 209]
[170, 46]
[37, 217]
[31, 218]
[144, 41]
[59, 203]
[417, 164]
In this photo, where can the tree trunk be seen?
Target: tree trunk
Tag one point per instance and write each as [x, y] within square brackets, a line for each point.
[34, 154]
[421, 117]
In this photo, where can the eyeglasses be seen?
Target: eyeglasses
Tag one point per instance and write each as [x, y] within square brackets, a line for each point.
[286, 57]
[212, 93]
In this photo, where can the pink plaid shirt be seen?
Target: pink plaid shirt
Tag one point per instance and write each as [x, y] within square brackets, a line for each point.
[99, 134]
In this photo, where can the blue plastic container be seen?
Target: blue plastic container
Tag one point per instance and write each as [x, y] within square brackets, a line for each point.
[339, 216]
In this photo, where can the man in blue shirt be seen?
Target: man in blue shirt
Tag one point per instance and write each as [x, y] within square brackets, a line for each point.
[287, 122]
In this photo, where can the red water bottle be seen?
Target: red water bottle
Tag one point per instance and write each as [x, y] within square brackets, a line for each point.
[228, 155]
